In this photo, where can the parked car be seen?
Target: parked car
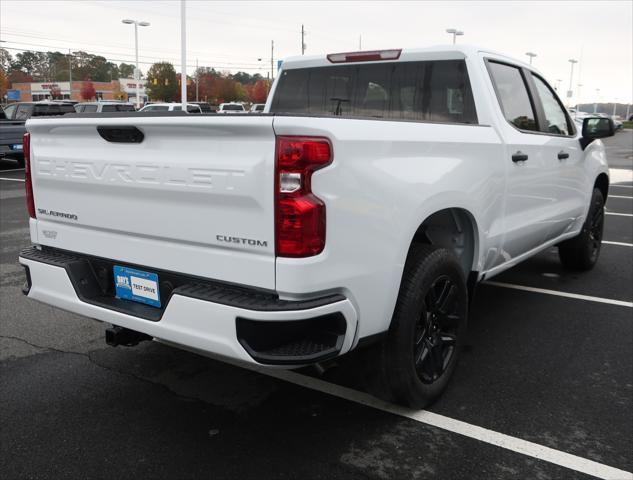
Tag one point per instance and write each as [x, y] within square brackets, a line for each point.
[104, 106]
[206, 107]
[11, 134]
[26, 110]
[170, 107]
[364, 211]
[257, 107]
[231, 108]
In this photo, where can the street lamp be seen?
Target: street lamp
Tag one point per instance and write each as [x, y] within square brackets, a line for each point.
[137, 72]
[595, 104]
[558, 81]
[531, 55]
[571, 77]
[454, 32]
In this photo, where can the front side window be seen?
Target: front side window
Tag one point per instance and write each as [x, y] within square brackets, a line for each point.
[513, 95]
[435, 91]
[556, 120]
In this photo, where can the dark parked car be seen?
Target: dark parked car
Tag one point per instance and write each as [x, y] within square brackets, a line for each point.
[11, 133]
[26, 110]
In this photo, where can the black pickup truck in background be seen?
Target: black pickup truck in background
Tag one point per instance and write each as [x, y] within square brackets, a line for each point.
[12, 119]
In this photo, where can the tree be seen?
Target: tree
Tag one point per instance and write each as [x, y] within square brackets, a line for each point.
[56, 93]
[259, 92]
[18, 76]
[6, 62]
[4, 83]
[126, 70]
[162, 83]
[88, 91]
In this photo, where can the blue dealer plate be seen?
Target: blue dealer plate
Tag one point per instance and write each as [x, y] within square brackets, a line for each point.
[136, 285]
[16, 146]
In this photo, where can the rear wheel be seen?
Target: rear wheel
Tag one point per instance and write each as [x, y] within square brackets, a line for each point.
[426, 334]
[582, 251]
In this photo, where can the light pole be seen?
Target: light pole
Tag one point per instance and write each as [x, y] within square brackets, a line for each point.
[454, 32]
[531, 55]
[571, 78]
[595, 104]
[558, 81]
[137, 72]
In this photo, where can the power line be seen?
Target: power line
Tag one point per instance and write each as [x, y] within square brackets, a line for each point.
[127, 60]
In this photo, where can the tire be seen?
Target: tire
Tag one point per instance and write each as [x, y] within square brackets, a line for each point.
[427, 330]
[581, 252]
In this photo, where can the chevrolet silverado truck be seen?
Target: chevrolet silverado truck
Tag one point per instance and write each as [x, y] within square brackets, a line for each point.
[361, 207]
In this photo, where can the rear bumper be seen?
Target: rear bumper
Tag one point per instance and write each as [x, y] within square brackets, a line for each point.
[233, 322]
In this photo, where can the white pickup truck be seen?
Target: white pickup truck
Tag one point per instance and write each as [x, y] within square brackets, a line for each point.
[362, 206]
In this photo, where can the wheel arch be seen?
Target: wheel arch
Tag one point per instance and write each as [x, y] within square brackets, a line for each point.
[453, 228]
[602, 184]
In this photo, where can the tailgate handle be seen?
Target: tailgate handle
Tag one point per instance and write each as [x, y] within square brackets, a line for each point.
[120, 134]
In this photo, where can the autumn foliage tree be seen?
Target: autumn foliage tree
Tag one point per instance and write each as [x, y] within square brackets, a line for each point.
[117, 91]
[259, 91]
[56, 93]
[88, 91]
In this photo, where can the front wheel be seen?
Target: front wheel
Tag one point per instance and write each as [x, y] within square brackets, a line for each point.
[420, 352]
[582, 251]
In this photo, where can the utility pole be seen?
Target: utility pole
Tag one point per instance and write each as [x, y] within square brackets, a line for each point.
[578, 96]
[303, 43]
[70, 73]
[595, 104]
[196, 79]
[272, 52]
[614, 106]
[183, 56]
[360, 42]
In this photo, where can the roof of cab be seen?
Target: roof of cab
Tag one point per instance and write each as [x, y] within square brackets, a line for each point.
[436, 52]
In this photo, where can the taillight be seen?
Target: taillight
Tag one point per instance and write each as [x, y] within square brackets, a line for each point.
[26, 151]
[299, 214]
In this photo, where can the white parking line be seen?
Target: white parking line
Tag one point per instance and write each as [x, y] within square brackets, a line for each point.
[518, 445]
[622, 244]
[619, 196]
[12, 179]
[576, 296]
[621, 186]
[619, 214]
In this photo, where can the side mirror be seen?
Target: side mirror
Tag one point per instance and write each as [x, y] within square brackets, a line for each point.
[596, 127]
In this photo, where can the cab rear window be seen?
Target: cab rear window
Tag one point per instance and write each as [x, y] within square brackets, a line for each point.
[435, 91]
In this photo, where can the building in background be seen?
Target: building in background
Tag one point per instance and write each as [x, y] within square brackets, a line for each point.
[35, 91]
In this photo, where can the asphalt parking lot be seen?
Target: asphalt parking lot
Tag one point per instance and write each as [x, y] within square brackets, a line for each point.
[543, 390]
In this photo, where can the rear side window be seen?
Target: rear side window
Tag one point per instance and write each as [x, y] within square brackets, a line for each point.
[556, 120]
[23, 112]
[90, 108]
[513, 95]
[437, 91]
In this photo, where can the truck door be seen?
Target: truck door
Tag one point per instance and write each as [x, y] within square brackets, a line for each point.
[531, 175]
[563, 149]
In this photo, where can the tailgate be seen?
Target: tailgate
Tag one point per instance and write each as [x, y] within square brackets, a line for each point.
[194, 197]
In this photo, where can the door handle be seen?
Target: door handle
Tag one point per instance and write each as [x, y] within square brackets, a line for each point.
[519, 157]
[563, 155]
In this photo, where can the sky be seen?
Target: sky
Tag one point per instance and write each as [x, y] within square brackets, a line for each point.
[237, 35]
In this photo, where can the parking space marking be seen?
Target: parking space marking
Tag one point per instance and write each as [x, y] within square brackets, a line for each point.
[619, 214]
[576, 296]
[619, 196]
[518, 445]
[621, 186]
[12, 179]
[622, 244]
